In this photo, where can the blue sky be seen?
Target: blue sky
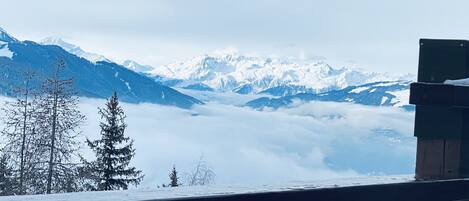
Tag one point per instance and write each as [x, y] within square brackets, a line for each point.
[375, 35]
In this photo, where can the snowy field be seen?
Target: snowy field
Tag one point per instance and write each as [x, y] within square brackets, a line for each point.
[211, 190]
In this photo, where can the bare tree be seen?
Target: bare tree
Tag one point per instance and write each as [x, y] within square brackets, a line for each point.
[59, 121]
[19, 122]
[201, 175]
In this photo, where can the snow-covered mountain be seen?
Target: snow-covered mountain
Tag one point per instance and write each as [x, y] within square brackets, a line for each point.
[93, 57]
[6, 38]
[74, 49]
[285, 79]
[99, 79]
[139, 68]
[394, 93]
[250, 74]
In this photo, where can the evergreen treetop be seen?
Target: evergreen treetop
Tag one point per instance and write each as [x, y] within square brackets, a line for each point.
[113, 151]
[174, 178]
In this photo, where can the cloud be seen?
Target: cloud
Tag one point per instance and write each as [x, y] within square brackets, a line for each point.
[312, 141]
[383, 36]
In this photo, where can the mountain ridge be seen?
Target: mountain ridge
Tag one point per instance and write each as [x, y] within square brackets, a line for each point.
[247, 74]
[284, 79]
[74, 49]
[394, 93]
[97, 80]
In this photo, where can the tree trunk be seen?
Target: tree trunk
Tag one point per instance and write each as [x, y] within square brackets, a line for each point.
[23, 140]
[52, 148]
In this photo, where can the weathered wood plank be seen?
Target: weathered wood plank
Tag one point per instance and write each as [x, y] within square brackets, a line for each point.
[452, 158]
[430, 159]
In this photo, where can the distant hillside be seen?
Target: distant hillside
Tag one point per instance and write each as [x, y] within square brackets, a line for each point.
[376, 94]
[98, 79]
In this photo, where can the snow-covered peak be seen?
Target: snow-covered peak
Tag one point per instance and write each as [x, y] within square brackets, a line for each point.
[5, 37]
[133, 65]
[73, 49]
[59, 42]
[232, 71]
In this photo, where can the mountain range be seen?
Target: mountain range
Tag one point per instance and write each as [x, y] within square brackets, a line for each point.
[279, 80]
[253, 74]
[97, 78]
[384, 93]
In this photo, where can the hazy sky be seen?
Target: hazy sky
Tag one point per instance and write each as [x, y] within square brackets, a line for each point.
[375, 35]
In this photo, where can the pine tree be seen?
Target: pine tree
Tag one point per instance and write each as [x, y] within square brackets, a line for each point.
[113, 151]
[59, 120]
[7, 182]
[174, 178]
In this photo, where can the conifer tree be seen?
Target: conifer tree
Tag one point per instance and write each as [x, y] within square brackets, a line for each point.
[174, 178]
[113, 151]
[59, 120]
[7, 182]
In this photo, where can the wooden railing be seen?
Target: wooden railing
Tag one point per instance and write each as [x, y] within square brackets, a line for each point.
[447, 190]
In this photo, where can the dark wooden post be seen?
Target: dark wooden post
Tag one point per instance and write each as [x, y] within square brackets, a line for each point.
[442, 111]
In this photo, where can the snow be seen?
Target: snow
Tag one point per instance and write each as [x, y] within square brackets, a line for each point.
[133, 65]
[460, 82]
[359, 89]
[228, 71]
[5, 52]
[5, 37]
[128, 86]
[73, 49]
[385, 98]
[211, 190]
[385, 84]
[401, 97]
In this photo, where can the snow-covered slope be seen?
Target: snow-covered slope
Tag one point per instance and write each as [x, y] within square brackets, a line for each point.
[74, 49]
[395, 93]
[99, 79]
[93, 57]
[5, 37]
[133, 65]
[5, 51]
[249, 74]
[201, 191]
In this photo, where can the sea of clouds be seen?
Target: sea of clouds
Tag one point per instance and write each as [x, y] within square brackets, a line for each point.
[305, 142]
[311, 141]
